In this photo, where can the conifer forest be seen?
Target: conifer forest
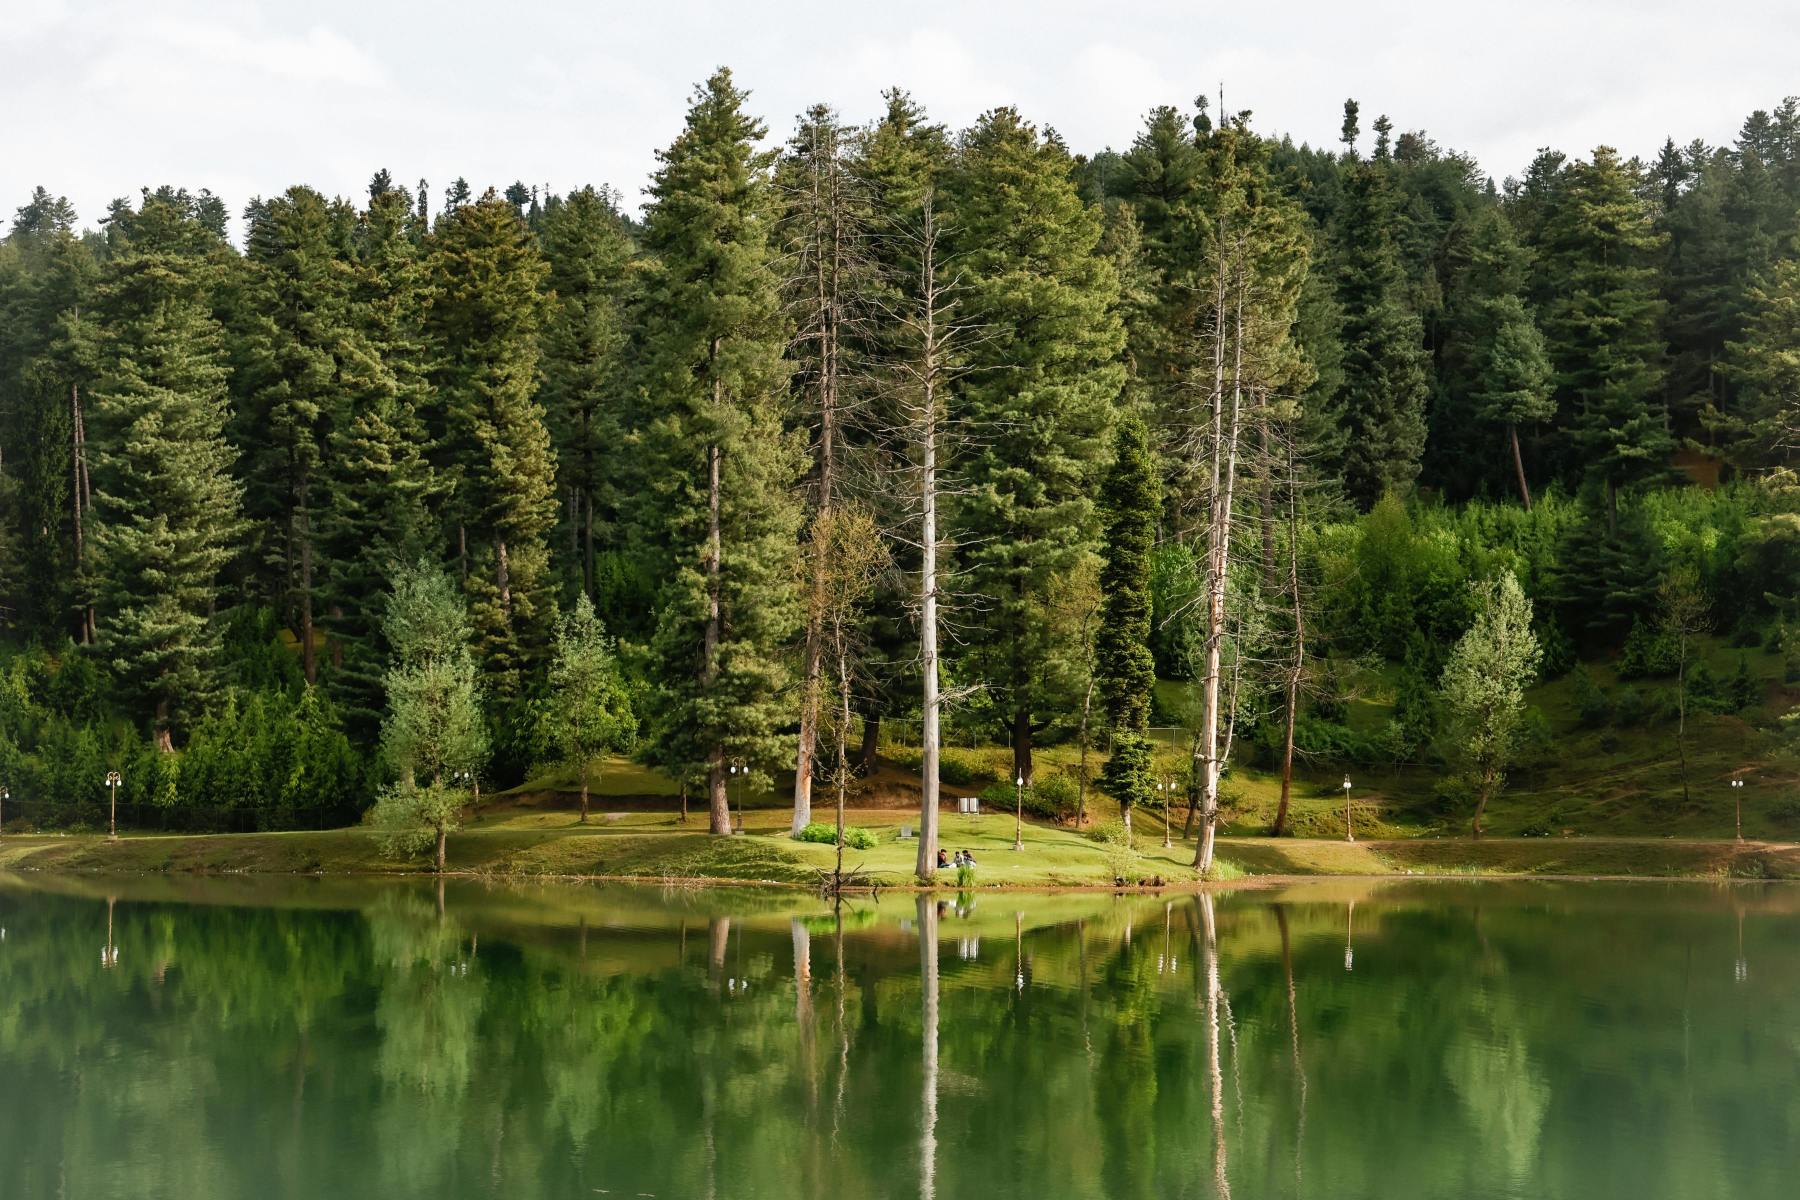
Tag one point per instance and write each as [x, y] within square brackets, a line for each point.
[873, 441]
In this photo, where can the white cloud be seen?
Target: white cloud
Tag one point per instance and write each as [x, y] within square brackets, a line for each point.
[250, 96]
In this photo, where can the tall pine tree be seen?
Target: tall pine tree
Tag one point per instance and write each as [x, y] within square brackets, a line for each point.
[716, 508]
[165, 505]
[1039, 392]
[483, 316]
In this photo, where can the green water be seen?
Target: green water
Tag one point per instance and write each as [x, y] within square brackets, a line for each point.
[194, 1039]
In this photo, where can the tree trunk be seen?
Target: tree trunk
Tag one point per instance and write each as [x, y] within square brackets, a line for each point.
[718, 800]
[1297, 666]
[869, 755]
[584, 791]
[1224, 474]
[1512, 433]
[930, 747]
[503, 577]
[843, 755]
[709, 670]
[309, 663]
[1681, 719]
[443, 835]
[1081, 780]
[587, 547]
[1021, 744]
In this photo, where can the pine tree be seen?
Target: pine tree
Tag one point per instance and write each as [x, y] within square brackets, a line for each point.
[824, 238]
[1382, 398]
[1599, 252]
[589, 709]
[483, 316]
[165, 505]
[376, 517]
[716, 509]
[1040, 388]
[1484, 684]
[1495, 363]
[589, 252]
[1762, 429]
[433, 735]
[296, 331]
[1124, 671]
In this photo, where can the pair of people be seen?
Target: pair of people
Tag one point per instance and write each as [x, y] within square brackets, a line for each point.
[964, 858]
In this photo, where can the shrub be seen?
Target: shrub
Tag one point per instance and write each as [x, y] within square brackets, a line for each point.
[1630, 708]
[1592, 708]
[1743, 690]
[1647, 653]
[1053, 797]
[825, 834]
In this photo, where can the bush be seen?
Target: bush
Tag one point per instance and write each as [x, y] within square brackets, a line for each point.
[825, 834]
[1053, 797]
[1743, 690]
[1647, 653]
[1630, 708]
[1592, 708]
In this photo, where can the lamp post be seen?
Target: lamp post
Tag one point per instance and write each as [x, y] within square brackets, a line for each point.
[112, 781]
[1349, 832]
[1738, 796]
[5, 795]
[1163, 788]
[738, 770]
[1019, 811]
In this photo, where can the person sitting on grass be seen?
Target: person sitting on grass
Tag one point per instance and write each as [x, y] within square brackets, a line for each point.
[943, 860]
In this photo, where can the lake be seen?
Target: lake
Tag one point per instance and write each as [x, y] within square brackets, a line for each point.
[170, 1037]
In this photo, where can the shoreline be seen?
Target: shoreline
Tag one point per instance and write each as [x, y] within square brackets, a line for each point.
[1052, 862]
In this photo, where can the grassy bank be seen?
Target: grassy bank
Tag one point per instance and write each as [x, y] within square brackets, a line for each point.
[525, 843]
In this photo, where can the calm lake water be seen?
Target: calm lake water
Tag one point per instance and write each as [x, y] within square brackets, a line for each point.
[237, 1038]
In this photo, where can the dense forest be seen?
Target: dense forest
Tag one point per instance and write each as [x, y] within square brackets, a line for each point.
[888, 431]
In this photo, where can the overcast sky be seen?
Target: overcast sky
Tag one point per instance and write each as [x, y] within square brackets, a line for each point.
[98, 99]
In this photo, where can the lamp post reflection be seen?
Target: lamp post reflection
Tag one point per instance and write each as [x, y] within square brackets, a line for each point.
[109, 953]
[1350, 938]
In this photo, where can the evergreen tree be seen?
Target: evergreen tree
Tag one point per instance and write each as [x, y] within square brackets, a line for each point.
[1484, 684]
[296, 330]
[165, 505]
[483, 316]
[589, 252]
[716, 509]
[1762, 429]
[1382, 397]
[1040, 388]
[1495, 371]
[377, 485]
[1125, 673]
[1599, 252]
[434, 735]
[589, 710]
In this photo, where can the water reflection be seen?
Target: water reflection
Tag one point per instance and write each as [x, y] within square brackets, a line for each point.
[1497, 1040]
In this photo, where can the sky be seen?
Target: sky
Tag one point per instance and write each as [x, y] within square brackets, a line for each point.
[248, 97]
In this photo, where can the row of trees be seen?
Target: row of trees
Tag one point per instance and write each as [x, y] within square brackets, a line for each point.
[822, 436]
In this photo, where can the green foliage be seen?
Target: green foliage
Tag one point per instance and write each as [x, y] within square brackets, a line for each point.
[1592, 707]
[710, 379]
[165, 502]
[825, 834]
[1484, 684]
[1039, 386]
[589, 713]
[484, 312]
